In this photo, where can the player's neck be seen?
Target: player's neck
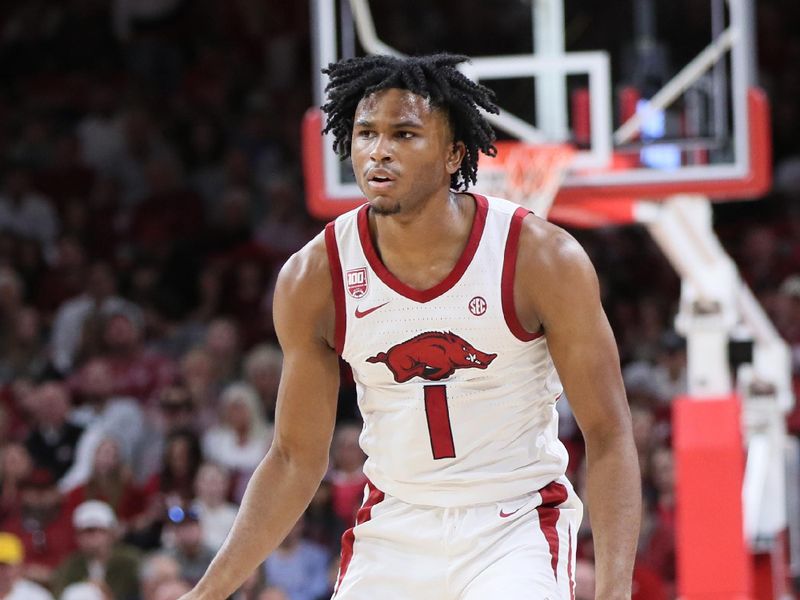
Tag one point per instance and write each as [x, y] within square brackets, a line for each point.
[422, 252]
[433, 228]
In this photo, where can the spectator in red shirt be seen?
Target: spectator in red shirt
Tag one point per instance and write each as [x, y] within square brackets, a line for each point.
[15, 466]
[112, 482]
[138, 373]
[43, 525]
[347, 475]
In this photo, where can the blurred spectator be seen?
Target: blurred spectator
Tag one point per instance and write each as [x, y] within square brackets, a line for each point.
[171, 590]
[12, 300]
[137, 372]
[26, 213]
[157, 568]
[249, 276]
[657, 533]
[223, 346]
[105, 415]
[142, 143]
[22, 353]
[665, 379]
[298, 567]
[86, 590]
[242, 438]
[70, 330]
[272, 593]
[217, 515]
[322, 524]
[43, 526]
[110, 481]
[230, 226]
[200, 378]
[12, 585]
[173, 485]
[53, 438]
[190, 552]
[16, 466]
[17, 399]
[284, 229]
[262, 370]
[648, 584]
[99, 131]
[65, 276]
[584, 580]
[182, 459]
[347, 472]
[99, 558]
[169, 212]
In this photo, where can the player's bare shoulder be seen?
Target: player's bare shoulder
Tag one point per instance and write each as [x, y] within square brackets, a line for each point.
[549, 249]
[552, 269]
[304, 294]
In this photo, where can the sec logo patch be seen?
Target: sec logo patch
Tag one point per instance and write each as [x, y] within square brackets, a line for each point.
[477, 306]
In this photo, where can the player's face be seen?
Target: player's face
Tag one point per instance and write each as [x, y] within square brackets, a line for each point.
[402, 150]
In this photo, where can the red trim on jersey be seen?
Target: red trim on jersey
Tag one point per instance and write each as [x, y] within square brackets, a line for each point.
[552, 495]
[438, 415]
[507, 282]
[337, 279]
[363, 515]
[478, 224]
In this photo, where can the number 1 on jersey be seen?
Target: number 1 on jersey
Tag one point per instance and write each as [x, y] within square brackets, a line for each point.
[438, 415]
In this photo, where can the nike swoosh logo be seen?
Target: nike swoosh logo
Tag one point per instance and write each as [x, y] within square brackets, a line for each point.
[361, 315]
[504, 514]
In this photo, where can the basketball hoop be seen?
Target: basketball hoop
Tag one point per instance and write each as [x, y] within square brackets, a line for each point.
[529, 175]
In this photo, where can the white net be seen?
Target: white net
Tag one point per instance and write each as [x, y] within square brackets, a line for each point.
[526, 174]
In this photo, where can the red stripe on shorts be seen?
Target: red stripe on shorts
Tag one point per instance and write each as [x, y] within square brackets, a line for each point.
[552, 495]
[363, 515]
[569, 567]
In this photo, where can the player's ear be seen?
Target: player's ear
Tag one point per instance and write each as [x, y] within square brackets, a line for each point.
[454, 157]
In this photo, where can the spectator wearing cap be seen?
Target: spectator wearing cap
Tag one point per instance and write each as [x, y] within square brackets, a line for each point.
[99, 557]
[43, 526]
[191, 553]
[86, 590]
[12, 585]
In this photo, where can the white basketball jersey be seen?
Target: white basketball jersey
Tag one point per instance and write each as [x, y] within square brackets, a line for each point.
[458, 400]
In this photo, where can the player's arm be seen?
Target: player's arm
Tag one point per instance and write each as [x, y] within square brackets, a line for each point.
[557, 287]
[285, 481]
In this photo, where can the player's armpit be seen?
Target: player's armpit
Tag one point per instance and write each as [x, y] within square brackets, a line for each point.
[556, 288]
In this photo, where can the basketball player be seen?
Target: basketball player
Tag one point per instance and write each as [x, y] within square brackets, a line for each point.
[460, 316]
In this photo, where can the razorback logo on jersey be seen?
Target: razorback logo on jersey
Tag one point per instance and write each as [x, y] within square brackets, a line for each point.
[433, 355]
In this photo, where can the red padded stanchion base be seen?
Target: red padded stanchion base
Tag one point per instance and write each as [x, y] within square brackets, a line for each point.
[713, 560]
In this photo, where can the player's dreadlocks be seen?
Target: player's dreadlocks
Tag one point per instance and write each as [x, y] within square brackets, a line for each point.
[434, 77]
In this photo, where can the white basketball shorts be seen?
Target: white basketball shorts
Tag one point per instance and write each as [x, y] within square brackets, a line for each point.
[519, 549]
